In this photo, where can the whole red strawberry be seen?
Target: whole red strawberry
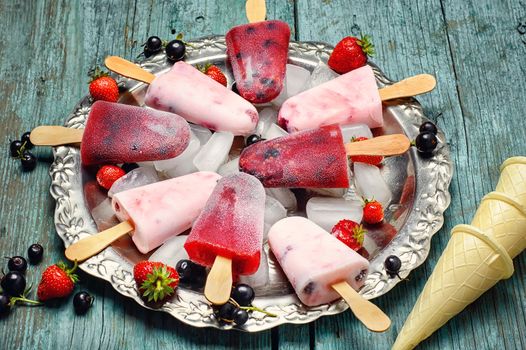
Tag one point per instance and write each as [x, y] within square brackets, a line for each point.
[351, 53]
[108, 174]
[374, 160]
[350, 233]
[57, 282]
[373, 213]
[103, 87]
[215, 73]
[156, 281]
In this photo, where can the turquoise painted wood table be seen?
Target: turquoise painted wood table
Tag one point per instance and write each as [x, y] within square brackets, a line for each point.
[476, 50]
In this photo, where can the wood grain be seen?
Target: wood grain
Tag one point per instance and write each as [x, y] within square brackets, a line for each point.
[472, 48]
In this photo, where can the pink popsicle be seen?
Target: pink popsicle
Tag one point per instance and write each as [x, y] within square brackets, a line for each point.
[201, 100]
[314, 260]
[164, 209]
[351, 98]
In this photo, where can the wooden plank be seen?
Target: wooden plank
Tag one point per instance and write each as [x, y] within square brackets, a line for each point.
[413, 38]
[47, 50]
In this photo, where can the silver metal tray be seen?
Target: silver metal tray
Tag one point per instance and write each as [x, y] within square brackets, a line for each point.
[419, 185]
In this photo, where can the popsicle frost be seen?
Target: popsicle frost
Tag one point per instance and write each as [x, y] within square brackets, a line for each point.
[313, 260]
[230, 225]
[161, 210]
[258, 55]
[351, 98]
[311, 158]
[118, 133]
[197, 98]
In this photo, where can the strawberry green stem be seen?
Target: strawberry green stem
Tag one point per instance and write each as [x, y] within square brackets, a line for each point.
[23, 299]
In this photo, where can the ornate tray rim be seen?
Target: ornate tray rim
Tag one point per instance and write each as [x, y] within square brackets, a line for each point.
[412, 244]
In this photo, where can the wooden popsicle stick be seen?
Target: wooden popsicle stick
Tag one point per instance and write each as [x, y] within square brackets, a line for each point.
[89, 246]
[256, 10]
[54, 135]
[219, 281]
[369, 314]
[416, 85]
[128, 69]
[386, 145]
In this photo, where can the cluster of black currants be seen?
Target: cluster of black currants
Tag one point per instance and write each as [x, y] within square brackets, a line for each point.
[20, 149]
[427, 140]
[14, 283]
[236, 309]
[175, 49]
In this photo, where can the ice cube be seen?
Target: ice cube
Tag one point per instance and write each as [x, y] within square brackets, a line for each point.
[295, 79]
[171, 251]
[329, 192]
[284, 196]
[215, 152]
[229, 167]
[202, 133]
[274, 211]
[137, 177]
[183, 163]
[274, 131]
[104, 216]
[267, 117]
[326, 212]
[321, 74]
[370, 184]
[261, 277]
[351, 131]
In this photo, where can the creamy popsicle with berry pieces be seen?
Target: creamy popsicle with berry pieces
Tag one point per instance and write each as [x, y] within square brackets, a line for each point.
[229, 230]
[151, 214]
[315, 158]
[197, 98]
[258, 55]
[314, 260]
[353, 97]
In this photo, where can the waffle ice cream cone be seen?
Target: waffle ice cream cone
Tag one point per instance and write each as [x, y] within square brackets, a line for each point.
[476, 258]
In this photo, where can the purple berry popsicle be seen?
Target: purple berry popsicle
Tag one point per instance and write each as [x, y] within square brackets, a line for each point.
[118, 133]
[186, 91]
[311, 158]
[314, 260]
[258, 55]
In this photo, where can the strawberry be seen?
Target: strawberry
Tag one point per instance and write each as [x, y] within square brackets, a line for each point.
[350, 233]
[351, 53]
[373, 213]
[156, 281]
[108, 174]
[57, 282]
[102, 86]
[214, 72]
[374, 160]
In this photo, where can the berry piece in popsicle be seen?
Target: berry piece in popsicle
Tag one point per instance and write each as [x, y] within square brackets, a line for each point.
[118, 133]
[258, 55]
